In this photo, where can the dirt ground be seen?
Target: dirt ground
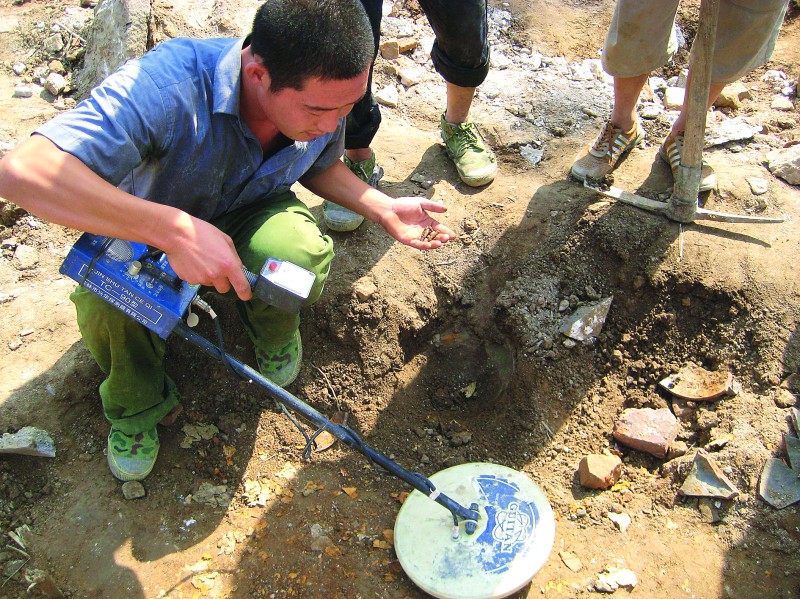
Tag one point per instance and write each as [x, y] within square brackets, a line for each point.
[484, 310]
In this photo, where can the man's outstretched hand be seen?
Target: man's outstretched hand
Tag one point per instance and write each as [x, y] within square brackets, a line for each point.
[408, 221]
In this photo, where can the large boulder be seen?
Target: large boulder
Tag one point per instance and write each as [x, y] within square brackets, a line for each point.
[125, 29]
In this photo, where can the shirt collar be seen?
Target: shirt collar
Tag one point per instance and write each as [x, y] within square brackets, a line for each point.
[228, 77]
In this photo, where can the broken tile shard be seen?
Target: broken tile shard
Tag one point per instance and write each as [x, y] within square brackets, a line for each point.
[779, 485]
[706, 479]
[698, 384]
[28, 441]
[587, 321]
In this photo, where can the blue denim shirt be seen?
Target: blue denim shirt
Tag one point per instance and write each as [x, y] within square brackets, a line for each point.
[166, 128]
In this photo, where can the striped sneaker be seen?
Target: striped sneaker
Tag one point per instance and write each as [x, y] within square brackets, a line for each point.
[602, 157]
[670, 152]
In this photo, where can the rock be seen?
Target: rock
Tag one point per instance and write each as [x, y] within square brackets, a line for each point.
[533, 155]
[55, 83]
[646, 429]
[784, 398]
[729, 130]
[612, 578]
[364, 288]
[133, 489]
[677, 449]
[597, 471]
[785, 163]
[55, 66]
[411, 75]
[388, 96]
[782, 103]
[19, 68]
[390, 49]
[571, 561]
[25, 257]
[673, 98]
[732, 95]
[22, 91]
[54, 44]
[621, 521]
[758, 186]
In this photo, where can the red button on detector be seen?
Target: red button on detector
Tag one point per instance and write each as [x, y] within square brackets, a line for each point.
[273, 266]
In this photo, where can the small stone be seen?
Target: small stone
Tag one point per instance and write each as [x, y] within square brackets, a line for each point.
[15, 345]
[25, 257]
[782, 103]
[133, 489]
[365, 288]
[597, 471]
[388, 96]
[571, 561]
[785, 163]
[22, 91]
[411, 76]
[757, 185]
[55, 66]
[677, 449]
[55, 83]
[390, 49]
[647, 430]
[19, 68]
[784, 398]
[621, 521]
[673, 98]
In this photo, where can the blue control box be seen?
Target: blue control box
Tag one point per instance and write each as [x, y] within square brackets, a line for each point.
[131, 277]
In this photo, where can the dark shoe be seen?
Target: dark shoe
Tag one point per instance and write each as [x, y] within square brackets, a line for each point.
[474, 159]
[338, 218]
[132, 457]
[282, 366]
[670, 152]
[602, 157]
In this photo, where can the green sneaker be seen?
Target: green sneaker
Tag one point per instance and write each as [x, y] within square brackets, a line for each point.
[338, 218]
[132, 457]
[474, 159]
[282, 366]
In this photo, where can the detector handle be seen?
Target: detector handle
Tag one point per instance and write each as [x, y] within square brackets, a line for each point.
[344, 434]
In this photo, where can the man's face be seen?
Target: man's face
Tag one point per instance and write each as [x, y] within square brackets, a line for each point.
[313, 111]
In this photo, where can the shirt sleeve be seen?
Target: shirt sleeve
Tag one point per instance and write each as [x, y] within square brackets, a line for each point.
[122, 124]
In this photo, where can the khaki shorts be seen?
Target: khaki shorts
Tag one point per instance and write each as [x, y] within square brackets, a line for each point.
[642, 37]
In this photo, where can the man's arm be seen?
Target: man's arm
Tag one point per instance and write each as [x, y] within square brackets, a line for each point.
[405, 219]
[58, 187]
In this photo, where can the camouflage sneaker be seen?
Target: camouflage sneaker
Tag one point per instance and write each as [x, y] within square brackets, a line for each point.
[132, 457]
[338, 218]
[282, 366]
[474, 159]
[602, 157]
[670, 152]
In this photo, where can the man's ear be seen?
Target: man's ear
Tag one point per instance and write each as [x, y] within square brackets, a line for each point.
[257, 73]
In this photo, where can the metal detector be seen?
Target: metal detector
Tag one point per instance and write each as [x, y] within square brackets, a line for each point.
[487, 550]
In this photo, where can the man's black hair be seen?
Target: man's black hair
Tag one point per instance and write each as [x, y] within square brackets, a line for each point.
[301, 39]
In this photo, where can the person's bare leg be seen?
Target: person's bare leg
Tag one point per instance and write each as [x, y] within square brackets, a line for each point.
[679, 126]
[626, 97]
[708, 179]
[459, 101]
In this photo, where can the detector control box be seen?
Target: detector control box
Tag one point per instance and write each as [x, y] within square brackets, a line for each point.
[138, 280]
